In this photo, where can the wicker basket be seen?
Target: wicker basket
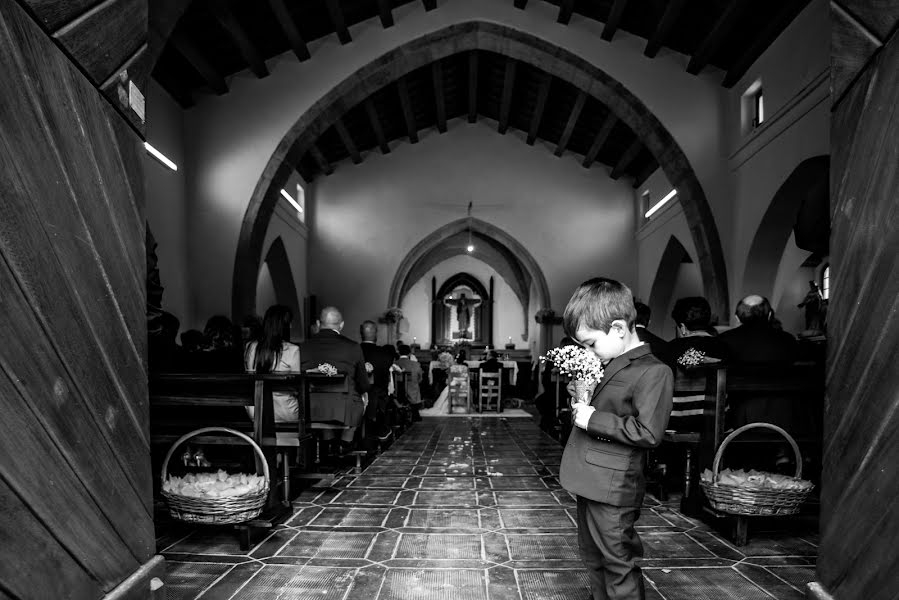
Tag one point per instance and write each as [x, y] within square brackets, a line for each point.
[217, 511]
[754, 501]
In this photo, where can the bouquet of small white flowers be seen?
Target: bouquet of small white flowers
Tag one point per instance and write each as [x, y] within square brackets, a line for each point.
[369, 368]
[694, 357]
[581, 365]
[327, 369]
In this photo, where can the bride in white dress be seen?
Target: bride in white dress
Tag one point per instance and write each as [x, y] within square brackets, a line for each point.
[458, 372]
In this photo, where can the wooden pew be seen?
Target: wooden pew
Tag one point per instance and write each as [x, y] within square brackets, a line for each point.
[183, 402]
[790, 396]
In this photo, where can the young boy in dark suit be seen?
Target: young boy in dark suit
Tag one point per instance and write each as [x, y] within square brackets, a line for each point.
[606, 452]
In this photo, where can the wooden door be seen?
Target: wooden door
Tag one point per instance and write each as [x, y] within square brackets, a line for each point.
[75, 482]
[860, 515]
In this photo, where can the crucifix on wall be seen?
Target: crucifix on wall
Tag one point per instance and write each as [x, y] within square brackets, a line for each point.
[464, 306]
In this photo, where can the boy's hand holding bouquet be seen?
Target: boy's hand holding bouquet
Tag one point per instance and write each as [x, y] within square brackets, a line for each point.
[580, 365]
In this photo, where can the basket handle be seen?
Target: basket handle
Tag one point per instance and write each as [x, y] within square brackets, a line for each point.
[746, 427]
[196, 432]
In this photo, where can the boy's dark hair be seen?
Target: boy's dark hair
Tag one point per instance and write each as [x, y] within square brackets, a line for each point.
[694, 312]
[404, 349]
[644, 313]
[596, 303]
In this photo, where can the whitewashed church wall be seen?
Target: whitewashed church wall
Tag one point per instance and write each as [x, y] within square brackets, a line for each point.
[166, 193]
[577, 223]
[232, 137]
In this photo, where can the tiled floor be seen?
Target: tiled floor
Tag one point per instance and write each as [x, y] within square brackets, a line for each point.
[465, 509]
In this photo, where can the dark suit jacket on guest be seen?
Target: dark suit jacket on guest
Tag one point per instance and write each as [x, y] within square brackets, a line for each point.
[656, 344]
[380, 357]
[759, 344]
[491, 365]
[605, 462]
[413, 378]
[328, 346]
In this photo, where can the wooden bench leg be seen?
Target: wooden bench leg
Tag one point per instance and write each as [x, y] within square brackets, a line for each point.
[741, 531]
[243, 535]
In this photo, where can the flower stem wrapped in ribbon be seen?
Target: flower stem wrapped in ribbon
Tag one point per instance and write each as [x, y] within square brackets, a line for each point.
[579, 364]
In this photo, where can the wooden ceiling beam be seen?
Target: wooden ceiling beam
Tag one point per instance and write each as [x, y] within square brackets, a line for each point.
[566, 8]
[723, 26]
[537, 117]
[572, 121]
[473, 86]
[760, 43]
[348, 142]
[385, 11]
[429, 4]
[521, 4]
[600, 139]
[626, 159]
[508, 87]
[408, 114]
[608, 32]
[238, 35]
[660, 35]
[647, 170]
[192, 54]
[289, 27]
[375, 122]
[320, 160]
[439, 97]
[336, 13]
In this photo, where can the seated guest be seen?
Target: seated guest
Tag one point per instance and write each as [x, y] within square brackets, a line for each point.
[413, 379]
[273, 353]
[644, 314]
[756, 340]
[220, 353]
[492, 364]
[380, 358]
[163, 351]
[692, 317]
[250, 329]
[191, 351]
[329, 346]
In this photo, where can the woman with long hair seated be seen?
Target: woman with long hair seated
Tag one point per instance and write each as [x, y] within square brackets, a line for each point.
[273, 353]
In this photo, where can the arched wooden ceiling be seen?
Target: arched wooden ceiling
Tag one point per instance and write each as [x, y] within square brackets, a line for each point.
[217, 38]
[476, 84]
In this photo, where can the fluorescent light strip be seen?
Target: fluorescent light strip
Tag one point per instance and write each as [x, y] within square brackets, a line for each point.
[160, 156]
[660, 203]
[292, 201]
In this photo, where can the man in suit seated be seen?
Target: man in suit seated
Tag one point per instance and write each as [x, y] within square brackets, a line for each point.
[756, 340]
[329, 346]
[413, 379]
[692, 317]
[644, 315]
[380, 358]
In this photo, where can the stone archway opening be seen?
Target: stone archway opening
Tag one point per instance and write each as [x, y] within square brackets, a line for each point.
[512, 43]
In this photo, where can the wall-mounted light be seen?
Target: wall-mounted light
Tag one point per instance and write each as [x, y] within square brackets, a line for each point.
[160, 156]
[470, 248]
[660, 203]
[293, 202]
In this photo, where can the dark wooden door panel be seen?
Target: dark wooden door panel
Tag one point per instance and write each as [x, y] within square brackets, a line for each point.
[75, 481]
[58, 220]
[40, 567]
[860, 514]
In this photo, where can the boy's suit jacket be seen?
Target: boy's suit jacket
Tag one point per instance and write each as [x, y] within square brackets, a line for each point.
[633, 402]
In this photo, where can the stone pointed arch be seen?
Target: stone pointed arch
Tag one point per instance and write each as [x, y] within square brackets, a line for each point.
[666, 278]
[282, 278]
[808, 183]
[494, 246]
[513, 43]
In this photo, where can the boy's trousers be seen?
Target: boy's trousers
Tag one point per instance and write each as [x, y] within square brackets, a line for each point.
[610, 548]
